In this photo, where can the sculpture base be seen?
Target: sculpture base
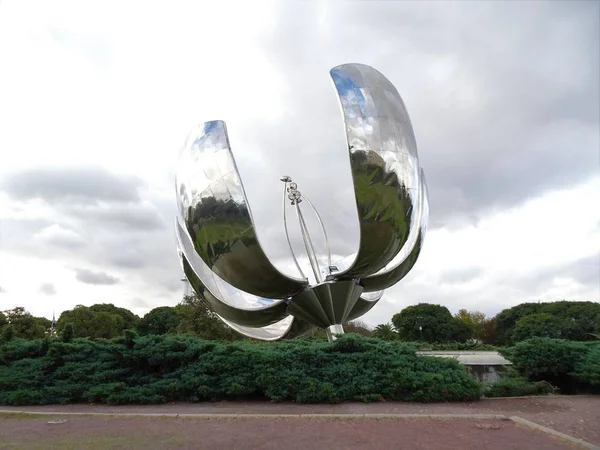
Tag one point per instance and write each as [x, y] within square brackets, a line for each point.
[334, 331]
[327, 304]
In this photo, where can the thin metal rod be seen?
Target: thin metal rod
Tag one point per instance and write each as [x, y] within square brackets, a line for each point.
[310, 251]
[304, 197]
[287, 234]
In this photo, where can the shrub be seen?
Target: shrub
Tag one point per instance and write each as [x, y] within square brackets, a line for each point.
[158, 369]
[457, 346]
[551, 360]
[512, 384]
[8, 333]
[68, 333]
[517, 387]
[588, 370]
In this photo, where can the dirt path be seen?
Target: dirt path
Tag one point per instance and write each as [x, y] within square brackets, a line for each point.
[576, 416]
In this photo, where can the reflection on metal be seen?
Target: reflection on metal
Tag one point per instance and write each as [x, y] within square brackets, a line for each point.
[219, 248]
[326, 303]
[333, 331]
[327, 246]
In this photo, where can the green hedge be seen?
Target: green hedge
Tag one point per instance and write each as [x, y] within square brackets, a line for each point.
[517, 387]
[455, 346]
[158, 369]
[571, 366]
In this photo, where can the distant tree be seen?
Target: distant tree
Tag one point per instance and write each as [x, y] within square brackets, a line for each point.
[507, 319]
[385, 331]
[316, 333]
[7, 334]
[90, 323]
[539, 325]
[357, 327]
[161, 320]
[578, 320]
[130, 320]
[3, 320]
[199, 319]
[25, 325]
[436, 322]
[476, 321]
[490, 331]
[68, 333]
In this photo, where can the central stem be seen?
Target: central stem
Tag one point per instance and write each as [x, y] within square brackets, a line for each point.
[295, 196]
[308, 245]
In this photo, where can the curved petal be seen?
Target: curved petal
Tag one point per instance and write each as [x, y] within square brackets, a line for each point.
[235, 306]
[400, 267]
[366, 301]
[214, 208]
[288, 328]
[384, 164]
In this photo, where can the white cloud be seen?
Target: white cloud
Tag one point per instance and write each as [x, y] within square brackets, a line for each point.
[60, 236]
[506, 137]
[505, 253]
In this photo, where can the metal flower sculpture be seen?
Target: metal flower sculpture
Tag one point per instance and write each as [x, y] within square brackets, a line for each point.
[218, 245]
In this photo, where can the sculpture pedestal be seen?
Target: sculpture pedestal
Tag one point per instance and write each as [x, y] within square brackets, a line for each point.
[333, 331]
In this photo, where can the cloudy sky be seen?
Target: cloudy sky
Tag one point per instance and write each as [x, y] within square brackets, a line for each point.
[96, 99]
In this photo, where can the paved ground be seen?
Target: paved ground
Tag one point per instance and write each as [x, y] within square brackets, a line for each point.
[170, 433]
[575, 416]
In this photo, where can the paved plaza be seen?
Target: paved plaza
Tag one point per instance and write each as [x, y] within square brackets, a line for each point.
[559, 422]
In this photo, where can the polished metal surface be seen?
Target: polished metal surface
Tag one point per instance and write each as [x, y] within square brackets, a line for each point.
[333, 331]
[327, 246]
[216, 213]
[399, 268]
[364, 304]
[227, 301]
[327, 303]
[217, 240]
[384, 164]
[288, 328]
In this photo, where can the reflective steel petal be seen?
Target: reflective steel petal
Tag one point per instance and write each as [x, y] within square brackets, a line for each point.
[384, 164]
[225, 300]
[405, 261]
[288, 328]
[214, 208]
[364, 304]
[327, 303]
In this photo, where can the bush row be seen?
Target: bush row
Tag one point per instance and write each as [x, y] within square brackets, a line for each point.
[570, 366]
[158, 369]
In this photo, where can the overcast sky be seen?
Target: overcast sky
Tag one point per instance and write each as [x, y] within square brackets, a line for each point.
[96, 99]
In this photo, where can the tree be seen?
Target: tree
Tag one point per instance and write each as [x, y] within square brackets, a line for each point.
[385, 331]
[25, 325]
[357, 327]
[507, 319]
[539, 325]
[130, 320]
[90, 323]
[579, 320]
[430, 323]
[161, 320]
[476, 321]
[7, 334]
[199, 319]
[490, 331]
[68, 333]
[3, 320]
